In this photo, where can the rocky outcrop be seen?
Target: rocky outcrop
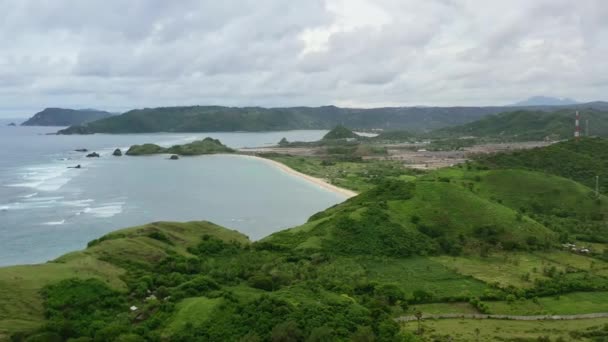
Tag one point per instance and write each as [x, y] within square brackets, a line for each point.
[93, 155]
[12, 124]
[117, 152]
[174, 157]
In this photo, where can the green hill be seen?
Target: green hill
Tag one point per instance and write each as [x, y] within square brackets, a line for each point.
[424, 217]
[340, 132]
[205, 146]
[65, 117]
[230, 119]
[581, 161]
[525, 125]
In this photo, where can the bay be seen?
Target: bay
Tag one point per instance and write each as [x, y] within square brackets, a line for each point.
[48, 209]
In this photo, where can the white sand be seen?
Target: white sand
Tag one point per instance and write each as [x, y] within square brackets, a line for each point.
[317, 181]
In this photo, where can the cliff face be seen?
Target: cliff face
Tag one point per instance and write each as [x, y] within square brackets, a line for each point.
[65, 117]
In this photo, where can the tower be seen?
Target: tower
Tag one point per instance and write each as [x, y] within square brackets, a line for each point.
[577, 127]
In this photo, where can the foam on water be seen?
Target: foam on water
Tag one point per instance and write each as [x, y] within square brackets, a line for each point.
[29, 195]
[54, 223]
[49, 177]
[105, 210]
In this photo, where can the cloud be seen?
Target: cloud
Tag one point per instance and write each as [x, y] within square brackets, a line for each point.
[118, 55]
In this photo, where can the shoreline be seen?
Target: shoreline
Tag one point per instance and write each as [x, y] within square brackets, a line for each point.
[317, 181]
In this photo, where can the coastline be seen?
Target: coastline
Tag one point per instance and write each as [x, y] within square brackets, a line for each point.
[317, 181]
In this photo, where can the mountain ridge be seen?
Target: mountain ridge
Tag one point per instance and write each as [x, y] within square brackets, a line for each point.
[231, 119]
[65, 117]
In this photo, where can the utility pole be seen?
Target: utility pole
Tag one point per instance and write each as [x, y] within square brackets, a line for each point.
[586, 127]
[597, 186]
[577, 127]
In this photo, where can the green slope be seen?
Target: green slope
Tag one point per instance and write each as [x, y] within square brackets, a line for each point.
[417, 218]
[21, 303]
[580, 161]
[525, 125]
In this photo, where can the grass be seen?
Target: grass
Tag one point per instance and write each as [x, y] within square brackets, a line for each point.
[567, 304]
[409, 274]
[20, 300]
[505, 268]
[192, 311]
[457, 210]
[502, 330]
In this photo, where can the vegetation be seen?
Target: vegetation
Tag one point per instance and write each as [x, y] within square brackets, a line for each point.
[205, 146]
[219, 119]
[346, 171]
[581, 161]
[340, 132]
[526, 125]
[65, 117]
[476, 238]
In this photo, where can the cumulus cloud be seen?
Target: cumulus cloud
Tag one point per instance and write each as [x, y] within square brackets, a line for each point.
[117, 55]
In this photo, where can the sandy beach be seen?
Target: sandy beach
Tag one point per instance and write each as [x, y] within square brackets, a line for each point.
[317, 181]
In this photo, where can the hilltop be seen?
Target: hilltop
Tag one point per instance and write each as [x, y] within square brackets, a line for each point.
[340, 132]
[525, 125]
[199, 147]
[65, 117]
[231, 119]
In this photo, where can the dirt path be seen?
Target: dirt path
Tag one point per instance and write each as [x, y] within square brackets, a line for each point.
[506, 317]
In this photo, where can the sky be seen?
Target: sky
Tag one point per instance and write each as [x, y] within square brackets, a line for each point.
[122, 54]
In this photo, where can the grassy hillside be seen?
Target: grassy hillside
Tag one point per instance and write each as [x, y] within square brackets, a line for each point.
[525, 125]
[107, 260]
[423, 217]
[581, 161]
[205, 146]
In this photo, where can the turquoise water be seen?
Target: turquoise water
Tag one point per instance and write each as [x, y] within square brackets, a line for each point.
[47, 209]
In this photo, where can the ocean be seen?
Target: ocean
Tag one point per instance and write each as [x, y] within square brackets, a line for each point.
[48, 209]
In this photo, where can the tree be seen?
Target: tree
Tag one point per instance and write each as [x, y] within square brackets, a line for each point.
[286, 332]
[321, 334]
[363, 334]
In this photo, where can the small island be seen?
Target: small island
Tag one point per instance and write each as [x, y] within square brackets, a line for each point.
[12, 124]
[199, 147]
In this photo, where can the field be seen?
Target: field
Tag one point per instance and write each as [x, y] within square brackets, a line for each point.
[505, 330]
[565, 304]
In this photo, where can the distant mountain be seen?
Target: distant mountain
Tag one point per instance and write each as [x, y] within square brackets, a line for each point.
[65, 117]
[545, 101]
[526, 125]
[255, 119]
